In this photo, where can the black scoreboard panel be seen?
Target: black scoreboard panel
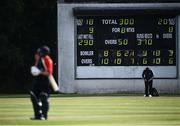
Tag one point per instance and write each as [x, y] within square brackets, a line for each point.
[142, 40]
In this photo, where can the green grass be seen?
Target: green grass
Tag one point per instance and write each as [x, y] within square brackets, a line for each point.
[112, 110]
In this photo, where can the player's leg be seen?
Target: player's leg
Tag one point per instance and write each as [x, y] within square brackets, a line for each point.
[45, 104]
[150, 88]
[146, 88]
[36, 106]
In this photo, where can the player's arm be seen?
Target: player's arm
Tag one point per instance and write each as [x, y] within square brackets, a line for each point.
[143, 75]
[152, 76]
[37, 58]
[34, 69]
[49, 67]
[45, 73]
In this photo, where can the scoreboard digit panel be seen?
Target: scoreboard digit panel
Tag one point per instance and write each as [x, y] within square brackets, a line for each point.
[142, 40]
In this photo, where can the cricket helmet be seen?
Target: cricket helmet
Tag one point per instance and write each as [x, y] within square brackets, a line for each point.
[44, 50]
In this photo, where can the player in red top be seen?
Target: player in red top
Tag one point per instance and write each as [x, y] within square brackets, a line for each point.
[41, 87]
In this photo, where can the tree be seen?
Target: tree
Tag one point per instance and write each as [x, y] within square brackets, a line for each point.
[25, 25]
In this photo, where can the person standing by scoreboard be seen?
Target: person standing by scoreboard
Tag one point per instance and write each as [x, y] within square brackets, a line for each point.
[148, 81]
[41, 87]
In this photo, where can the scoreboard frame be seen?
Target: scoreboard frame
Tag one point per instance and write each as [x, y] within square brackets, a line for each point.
[68, 76]
[116, 11]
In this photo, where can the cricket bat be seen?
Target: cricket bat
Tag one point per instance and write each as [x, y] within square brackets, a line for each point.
[52, 81]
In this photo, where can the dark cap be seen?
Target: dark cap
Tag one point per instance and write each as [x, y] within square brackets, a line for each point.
[44, 50]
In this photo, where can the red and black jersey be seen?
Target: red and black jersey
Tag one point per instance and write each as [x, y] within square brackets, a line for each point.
[42, 82]
[49, 64]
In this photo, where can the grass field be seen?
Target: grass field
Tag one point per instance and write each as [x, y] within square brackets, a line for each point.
[94, 111]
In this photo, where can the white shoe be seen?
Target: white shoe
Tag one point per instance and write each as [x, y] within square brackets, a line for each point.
[41, 118]
[145, 95]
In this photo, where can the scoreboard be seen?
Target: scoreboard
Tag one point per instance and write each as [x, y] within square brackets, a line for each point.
[148, 40]
[121, 43]
[105, 47]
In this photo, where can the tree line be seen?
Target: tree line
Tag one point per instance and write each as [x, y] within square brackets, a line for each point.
[25, 25]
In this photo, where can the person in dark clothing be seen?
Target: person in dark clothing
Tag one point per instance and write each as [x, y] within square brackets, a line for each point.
[41, 88]
[148, 80]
